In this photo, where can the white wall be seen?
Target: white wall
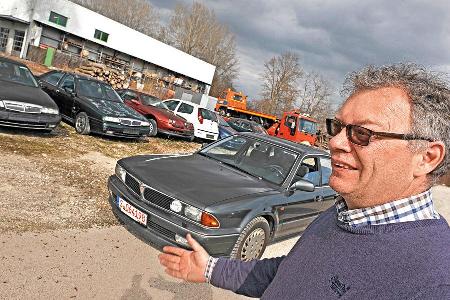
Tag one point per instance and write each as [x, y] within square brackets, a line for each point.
[83, 22]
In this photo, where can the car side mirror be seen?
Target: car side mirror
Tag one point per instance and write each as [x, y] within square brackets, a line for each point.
[302, 185]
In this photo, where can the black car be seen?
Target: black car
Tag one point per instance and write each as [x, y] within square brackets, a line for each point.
[92, 105]
[22, 102]
[243, 125]
[225, 129]
[234, 196]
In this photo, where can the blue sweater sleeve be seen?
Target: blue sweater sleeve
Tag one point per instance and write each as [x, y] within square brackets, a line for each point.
[246, 278]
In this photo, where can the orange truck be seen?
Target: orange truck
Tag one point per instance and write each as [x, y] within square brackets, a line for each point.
[293, 126]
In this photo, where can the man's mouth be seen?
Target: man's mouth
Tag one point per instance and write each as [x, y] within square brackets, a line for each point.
[342, 165]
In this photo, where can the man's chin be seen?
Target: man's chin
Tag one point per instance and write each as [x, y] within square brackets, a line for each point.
[340, 186]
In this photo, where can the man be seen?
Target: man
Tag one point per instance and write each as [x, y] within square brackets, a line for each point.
[383, 239]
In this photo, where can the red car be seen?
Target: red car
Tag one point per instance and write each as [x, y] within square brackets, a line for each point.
[161, 119]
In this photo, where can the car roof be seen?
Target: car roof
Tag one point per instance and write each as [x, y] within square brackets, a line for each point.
[78, 76]
[2, 58]
[286, 144]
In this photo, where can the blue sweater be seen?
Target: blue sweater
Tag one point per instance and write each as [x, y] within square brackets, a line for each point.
[409, 260]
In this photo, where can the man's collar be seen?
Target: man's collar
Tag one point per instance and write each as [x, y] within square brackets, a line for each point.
[413, 208]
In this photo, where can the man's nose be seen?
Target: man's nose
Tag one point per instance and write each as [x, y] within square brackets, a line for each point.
[340, 142]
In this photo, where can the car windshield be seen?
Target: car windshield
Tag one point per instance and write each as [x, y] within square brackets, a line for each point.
[149, 100]
[94, 89]
[222, 121]
[257, 158]
[307, 126]
[15, 73]
[161, 105]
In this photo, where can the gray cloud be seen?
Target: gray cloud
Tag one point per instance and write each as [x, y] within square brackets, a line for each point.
[333, 37]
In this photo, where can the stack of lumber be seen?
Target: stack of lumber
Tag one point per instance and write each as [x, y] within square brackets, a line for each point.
[101, 72]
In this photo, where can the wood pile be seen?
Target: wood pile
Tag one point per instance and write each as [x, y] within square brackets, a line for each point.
[101, 72]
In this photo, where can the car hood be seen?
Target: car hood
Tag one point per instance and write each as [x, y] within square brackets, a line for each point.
[114, 109]
[194, 179]
[22, 93]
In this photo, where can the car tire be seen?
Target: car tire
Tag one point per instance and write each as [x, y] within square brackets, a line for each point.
[82, 125]
[153, 127]
[252, 241]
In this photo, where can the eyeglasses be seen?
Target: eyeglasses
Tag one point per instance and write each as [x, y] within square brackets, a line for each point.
[361, 136]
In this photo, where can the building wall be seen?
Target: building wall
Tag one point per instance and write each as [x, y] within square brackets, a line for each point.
[83, 22]
[13, 27]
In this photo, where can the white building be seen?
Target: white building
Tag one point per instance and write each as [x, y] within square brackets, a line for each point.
[69, 27]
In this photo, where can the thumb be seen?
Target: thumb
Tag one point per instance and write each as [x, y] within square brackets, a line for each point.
[194, 244]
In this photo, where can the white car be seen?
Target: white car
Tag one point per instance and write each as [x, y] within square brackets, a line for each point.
[204, 121]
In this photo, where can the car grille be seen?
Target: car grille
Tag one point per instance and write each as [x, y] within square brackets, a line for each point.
[128, 122]
[132, 184]
[161, 230]
[157, 198]
[22, 107]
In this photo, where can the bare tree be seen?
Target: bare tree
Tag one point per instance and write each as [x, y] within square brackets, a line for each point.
[314, 96]
[196, 31]
[136, 14]
[280, 88]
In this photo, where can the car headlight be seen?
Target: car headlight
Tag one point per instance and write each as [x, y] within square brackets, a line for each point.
[193, 213]
[120, 172]
[1, 104]
[145, 123]
[111, 119]
[50, 111]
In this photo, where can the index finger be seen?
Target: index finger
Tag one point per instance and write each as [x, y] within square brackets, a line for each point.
[174, 250]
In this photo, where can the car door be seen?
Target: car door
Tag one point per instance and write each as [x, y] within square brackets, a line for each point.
[328, 194]
[209, 120]
[65, 94]
[49, 83]
[301, 207]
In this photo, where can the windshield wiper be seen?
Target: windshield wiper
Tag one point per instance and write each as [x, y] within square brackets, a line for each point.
[241, 170]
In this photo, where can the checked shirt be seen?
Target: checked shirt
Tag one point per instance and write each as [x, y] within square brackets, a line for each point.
[417, 207]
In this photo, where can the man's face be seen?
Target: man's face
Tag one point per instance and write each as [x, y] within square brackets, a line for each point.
[383, 170]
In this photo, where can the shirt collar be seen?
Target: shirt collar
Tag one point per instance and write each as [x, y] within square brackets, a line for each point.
[413, 208]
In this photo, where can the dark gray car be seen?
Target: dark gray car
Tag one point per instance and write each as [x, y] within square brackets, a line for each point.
[234, 196]
[22, 102]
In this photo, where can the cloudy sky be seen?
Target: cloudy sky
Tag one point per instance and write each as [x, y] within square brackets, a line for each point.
[332, 37]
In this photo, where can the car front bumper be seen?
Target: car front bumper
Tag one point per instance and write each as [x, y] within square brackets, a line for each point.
[177, 133]
[119, 130]
[29, 121]
[162, 227]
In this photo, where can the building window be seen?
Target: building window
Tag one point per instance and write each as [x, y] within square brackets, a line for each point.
[4, 33]
[103, 36]
[58, 19]
[18, 40]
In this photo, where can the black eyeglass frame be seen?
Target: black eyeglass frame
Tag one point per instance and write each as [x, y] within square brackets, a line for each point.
[350, 129]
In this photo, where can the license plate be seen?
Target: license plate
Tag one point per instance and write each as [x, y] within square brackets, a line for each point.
[132, 211]
[131, 131]
[210, 136]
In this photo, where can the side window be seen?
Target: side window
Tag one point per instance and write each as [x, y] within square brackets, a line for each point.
[171, 104]
[325, 168]
[52, 78]
[68, 83]
[185, 108]
[129, 95]
[290, 121]
[312, 170]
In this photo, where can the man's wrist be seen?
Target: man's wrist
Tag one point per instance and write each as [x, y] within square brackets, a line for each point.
[209, 267]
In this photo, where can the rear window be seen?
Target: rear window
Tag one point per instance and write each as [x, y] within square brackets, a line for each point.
[185, 108]
[208, 115]
[52, 78]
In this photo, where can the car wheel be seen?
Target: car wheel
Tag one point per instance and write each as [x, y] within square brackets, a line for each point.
[252, 241]
[153, 127]
[82, 123]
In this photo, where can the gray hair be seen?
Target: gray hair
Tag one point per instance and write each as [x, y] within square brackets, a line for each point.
[430, 101]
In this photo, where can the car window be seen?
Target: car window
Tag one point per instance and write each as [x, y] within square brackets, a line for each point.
[208, 115]
[185, 108]
[52, 78]
[290, 121]
[90, 89]
[171, 104]
[110, 93]
[149, 100]
[16, 73]
[325, 168]
[68, 83]
[313, 173]
[129, 95]
[308, 126]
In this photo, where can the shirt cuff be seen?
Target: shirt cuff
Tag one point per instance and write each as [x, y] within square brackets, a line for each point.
[209, 267]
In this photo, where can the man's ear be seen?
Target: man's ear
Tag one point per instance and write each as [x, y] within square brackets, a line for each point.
[429, 158]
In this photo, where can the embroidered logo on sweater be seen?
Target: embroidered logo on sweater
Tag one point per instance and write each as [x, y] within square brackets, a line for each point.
[338, 287]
